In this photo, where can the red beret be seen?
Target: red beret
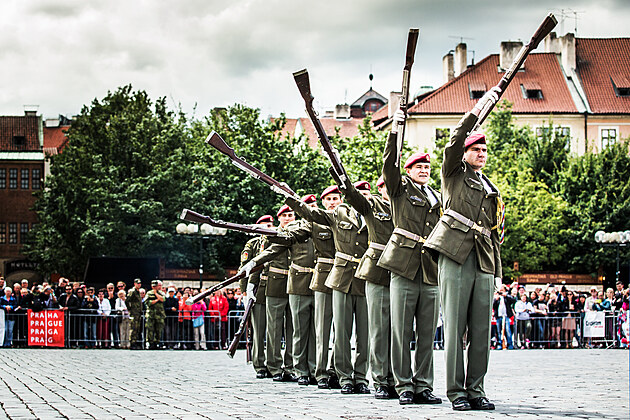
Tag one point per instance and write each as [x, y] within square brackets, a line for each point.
[333, 189]
[283, 209]
[417, 157]
[380, 182]
[309, 198]
[362, 185]
[475, 138]
[264, 219]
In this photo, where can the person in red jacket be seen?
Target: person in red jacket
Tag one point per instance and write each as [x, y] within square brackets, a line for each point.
[219, 308]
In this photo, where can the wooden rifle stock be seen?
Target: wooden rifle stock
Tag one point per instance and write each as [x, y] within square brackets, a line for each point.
[337, 170]
[193, 216]
[543, 30]
[219, 286]
[242, 327]
[412, 41]
[216, 141]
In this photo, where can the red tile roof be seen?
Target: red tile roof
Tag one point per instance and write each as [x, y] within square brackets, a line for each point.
[600, 62]
[55, 139]
[22, 126]
[542, 69]
[289, 128]
[347, 128]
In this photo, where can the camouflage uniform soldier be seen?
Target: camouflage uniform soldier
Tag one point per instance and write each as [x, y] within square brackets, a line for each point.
[134, 304]
[155, 314]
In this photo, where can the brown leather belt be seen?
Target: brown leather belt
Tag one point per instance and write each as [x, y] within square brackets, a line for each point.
[409, 235]
[301, 269]
[465, 220]
[347, 257]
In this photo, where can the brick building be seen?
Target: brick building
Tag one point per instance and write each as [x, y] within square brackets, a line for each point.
[21, 174]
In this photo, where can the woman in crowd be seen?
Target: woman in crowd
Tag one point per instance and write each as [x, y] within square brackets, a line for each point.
[8, 304]
[568, 322]
[198, 312]
[125, 321]
[554, 313]
[102, 322]
[523, 309]
[185, 320]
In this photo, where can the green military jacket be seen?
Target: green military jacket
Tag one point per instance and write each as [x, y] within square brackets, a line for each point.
[378, 218]
[276, 271]
[414, 216]
[301, 257]
[155, 311]
[465, 194]
[134, 302]
[350, 238]
[252, 249]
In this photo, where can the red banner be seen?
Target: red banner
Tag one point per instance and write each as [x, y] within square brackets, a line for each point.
[45, 328]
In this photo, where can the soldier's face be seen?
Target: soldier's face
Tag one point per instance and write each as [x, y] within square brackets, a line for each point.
[313, 204]
[365, 193]
[383, 192]
[420, 172]
[476, 156]
[286, 218]
[267, 225]
[331, 201]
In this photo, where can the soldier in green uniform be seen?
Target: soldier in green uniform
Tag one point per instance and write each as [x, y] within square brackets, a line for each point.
[413, 290]
[378, 218]
[279, 322]
[348, 300]
[155, 314]
[258, 317]
[134, 304]
[467, 242]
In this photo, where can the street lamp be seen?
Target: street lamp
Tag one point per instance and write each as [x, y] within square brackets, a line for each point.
[616, 239]
[203, 232]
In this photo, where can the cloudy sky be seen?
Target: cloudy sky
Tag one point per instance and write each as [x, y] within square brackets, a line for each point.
[60, 54]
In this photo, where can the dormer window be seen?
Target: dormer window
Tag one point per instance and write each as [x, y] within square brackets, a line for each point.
[476, 89]
[531, 90]
[621, 84]
[19, 140]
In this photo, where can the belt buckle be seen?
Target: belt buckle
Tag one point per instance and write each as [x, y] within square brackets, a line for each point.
[478, 228]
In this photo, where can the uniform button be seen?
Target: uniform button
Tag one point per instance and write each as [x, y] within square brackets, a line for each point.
[429, 210]
[356, 243]
[479, 222]
[427, 223]
[476, 236]
[425, 237]
[483, 209]
[422, 251]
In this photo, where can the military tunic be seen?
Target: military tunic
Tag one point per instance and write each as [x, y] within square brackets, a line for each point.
[413, 289]
[469, 260]
[348, 300]
[134, 304]
[378, 218]
[155, 317]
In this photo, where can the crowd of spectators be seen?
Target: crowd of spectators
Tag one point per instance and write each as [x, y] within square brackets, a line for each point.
[101, 318]
[553, 317]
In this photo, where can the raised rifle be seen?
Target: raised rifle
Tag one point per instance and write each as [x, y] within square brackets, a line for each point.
[242, 327]
[543, 30]
[216, 141]
[337, 170]
[193, 216]
[224, 283]
[412, 41]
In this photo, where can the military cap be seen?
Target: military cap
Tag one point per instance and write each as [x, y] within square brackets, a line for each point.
[283, 209]
[380, 182]
[417, 157]
[333, 189]
[155, 282]
[264, 219]
[309, 198]
[474, 138]
[137, 281]
[362, 185]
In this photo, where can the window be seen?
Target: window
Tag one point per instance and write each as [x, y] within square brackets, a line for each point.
[23, 232]
[476, 89]
[13, 178]
[608, 136]
[557, 132]
[24, 179]
[13, 233]
[36, 183]
[3, 178]
[19, 140]
[531, 90]
[3, 233]
[621, 84]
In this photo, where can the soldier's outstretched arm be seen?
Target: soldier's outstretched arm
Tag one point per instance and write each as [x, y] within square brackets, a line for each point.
[391, 171]
[357, 200]
[312, 214]
[269, 254]
[454, 150]
[295, 232]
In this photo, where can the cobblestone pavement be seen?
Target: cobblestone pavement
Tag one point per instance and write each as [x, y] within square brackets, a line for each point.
[112, 384]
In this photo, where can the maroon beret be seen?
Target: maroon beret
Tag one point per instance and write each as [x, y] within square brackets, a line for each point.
[475, 138]
[309, 198]
[333, 189]
[380, 182]
[264, 219]
[362, 185]
[417, 157]
[283, 209]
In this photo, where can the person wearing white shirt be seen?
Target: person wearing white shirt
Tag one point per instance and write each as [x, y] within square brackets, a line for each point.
[102, 323]
[523, 308]
[125, 322]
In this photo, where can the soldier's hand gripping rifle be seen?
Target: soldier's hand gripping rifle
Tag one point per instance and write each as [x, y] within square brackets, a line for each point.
[193, 216]
[487, 104]
[221, 285]
[242, 327]
[412, 41]
[216, 141]
[337, 170]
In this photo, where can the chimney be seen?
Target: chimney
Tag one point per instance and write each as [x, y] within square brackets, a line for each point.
[460, 61]
[31, 110]
[342, 112]
[447, 67]
[567, 44]
[394, 103]
[509, 51]
[552, 43]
